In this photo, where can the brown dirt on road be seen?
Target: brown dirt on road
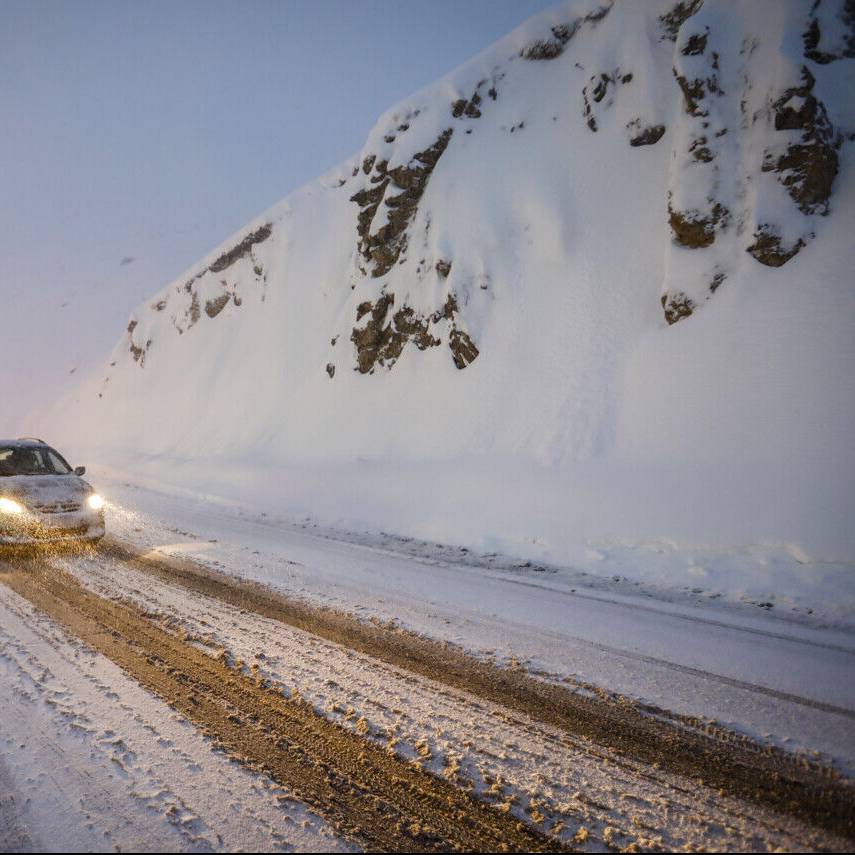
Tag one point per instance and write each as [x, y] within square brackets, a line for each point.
[722, 761]
[365, 792]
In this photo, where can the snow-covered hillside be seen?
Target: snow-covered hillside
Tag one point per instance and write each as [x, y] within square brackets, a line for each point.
[591, 292]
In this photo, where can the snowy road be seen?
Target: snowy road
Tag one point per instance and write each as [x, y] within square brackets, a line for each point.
[106, 749]
[791, 682]
[355, 724]
[92, 762]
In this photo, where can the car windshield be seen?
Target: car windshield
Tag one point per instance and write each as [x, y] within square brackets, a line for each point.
[31, 460]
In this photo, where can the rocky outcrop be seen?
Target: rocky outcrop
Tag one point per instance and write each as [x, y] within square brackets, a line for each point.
[384, 333]
[694, 229]
[809, 165]
[391, 197]
[552, 48]
[805, 163]
[717, 279]
[676, 307]
[674, 19]
[215, 306]
[382, 248]
[696, 89]
[227, 259]
[599, 93]
[192, 312]
[696, 44]
[649, 135]
[769, 248]
[701, 190]
[463, 349]
[138, 353]
[813, 37]
[468, 108]
[711, 181]
[388, 205]
[701, 151]
[381, 340]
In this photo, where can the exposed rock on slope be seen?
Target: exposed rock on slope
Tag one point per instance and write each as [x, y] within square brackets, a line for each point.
[560, 35]
[834, 38]
[769, 249]
[675, 17]
[601, 90]
[380, 340]
[381, 247]
[809, 165]
[732, 112]
[696, 229]
[645, 136]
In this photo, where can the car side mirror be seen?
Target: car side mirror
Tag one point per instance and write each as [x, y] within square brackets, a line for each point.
[80, 470]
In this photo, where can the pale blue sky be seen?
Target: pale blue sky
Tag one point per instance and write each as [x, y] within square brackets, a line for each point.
[154, 129]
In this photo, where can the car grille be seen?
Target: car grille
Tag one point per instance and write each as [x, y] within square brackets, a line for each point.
[57, 507]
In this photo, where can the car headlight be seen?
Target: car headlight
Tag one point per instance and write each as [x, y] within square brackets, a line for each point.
[95, 502]
[9, 506]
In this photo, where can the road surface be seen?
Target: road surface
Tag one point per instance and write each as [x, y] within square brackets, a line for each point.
[331, 731]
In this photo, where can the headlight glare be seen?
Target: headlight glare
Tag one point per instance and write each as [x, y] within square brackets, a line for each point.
[96, 502]
[9, 506]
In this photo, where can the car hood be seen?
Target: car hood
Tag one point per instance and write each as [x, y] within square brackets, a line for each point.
[44, 489]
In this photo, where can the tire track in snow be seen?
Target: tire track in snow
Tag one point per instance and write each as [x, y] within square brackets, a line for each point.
[536, 772]
[679, 744]
[93, 759]
[364, 791]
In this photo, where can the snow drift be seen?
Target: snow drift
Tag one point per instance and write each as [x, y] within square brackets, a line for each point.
[593, 287]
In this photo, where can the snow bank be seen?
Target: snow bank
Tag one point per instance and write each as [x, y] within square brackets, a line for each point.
[591, 291]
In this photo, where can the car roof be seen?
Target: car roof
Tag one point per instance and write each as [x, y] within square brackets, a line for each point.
[24, 442]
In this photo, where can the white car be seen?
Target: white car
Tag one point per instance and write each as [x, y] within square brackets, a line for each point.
[42, 500]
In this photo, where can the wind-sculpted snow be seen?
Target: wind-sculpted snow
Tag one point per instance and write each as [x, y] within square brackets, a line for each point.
[570, 249]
